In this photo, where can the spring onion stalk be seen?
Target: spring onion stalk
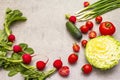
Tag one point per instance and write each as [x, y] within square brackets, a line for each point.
[98, 8]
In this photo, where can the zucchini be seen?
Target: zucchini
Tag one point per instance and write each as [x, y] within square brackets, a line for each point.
[73, 30]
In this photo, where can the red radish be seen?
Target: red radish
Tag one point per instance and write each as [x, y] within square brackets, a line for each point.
[84, 42]
[11, 38]
[76, 47]
[87, 68]
[41, 64]
[17, 48]
[89, 24]
[72, 19]
[86, 3]
[72, 58]
[57, 64]
[64, 71]
[26, 58]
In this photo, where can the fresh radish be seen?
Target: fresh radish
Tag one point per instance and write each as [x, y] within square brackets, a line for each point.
[17, 48]
[64, 71]
[57, 64]
[11, 38]
[72, 58]
[26, 58]
[72, 19]
[40, 65]
[76, 47]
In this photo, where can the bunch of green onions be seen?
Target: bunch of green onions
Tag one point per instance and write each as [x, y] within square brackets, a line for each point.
[98, 8]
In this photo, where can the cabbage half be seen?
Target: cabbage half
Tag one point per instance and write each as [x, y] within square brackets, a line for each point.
[103, 52]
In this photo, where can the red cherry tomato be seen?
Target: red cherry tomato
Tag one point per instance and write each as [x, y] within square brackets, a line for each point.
[87, 68]
[84, 42]
[92, 34]
[57, 64]
[98, 19]
[72, 19]
[84, 29]
[107, 28]
[86, 3]
[64, 71]
[72, 59]
[76, 47]
[89, 24]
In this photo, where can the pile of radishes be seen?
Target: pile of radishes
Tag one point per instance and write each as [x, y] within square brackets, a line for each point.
[26, 57]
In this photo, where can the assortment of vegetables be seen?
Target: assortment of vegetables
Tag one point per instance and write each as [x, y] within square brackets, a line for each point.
[98, 50]
[102, 52]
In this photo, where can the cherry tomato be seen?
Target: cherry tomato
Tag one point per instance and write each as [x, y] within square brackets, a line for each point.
[84, 42]
[92, 34]
[72, 19]
[72, 59]
[64, 71]
[107, 28]
[57, 64]
[86, 3]
[98, 19]
[89, 24]
[84, 29]
[87, 68]
[76, 47]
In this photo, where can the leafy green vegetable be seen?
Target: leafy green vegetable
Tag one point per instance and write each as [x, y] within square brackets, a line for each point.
[23, 45]
[10, 17]
[98, 8]
[14, 63]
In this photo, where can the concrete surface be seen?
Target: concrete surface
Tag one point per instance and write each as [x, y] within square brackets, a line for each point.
[46, 33]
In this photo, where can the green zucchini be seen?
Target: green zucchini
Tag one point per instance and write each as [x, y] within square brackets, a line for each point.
[73, 30]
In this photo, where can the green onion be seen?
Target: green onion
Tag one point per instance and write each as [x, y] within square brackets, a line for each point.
[98, 8]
